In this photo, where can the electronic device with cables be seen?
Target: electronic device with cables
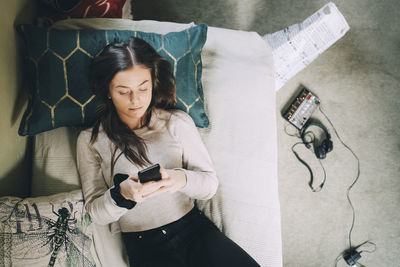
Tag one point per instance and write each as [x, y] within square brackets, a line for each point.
[299, 113]
[301, 108]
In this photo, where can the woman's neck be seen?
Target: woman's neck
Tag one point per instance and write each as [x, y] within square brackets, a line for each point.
[132, 123]
[135, 124]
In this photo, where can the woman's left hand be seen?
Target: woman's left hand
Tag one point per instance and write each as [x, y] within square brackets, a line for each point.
[172, 181]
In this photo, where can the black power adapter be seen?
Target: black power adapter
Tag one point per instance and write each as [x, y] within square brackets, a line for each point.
[351, 256]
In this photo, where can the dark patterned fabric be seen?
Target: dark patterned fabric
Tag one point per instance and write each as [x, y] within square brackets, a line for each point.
[61, 5]
[58, 62]
[45, 231]
[65, 9]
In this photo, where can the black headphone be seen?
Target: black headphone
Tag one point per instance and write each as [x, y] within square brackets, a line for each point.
[326, 145]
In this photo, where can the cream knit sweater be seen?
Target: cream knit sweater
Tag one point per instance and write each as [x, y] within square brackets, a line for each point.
[172, 141]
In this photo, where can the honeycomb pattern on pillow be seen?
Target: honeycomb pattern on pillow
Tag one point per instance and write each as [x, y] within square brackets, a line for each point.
[59, 65]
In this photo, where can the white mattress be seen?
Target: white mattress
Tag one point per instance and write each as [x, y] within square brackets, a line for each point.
[238, 80]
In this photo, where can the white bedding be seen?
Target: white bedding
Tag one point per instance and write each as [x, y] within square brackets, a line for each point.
[238, 80]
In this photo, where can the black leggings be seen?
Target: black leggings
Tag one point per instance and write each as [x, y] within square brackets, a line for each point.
[192, 241]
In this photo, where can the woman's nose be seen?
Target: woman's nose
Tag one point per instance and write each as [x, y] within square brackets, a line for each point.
[132, 96]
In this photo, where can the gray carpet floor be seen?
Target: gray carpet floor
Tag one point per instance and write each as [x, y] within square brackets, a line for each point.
[358, 82]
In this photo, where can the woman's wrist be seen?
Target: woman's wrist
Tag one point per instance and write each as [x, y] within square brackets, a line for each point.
[116, 193]
[181, 177]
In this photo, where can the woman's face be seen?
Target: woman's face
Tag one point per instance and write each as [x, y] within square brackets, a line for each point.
[131, 91]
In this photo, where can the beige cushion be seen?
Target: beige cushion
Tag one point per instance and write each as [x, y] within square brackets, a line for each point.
[28, 231]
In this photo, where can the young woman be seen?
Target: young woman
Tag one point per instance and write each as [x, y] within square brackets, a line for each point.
[138, 127]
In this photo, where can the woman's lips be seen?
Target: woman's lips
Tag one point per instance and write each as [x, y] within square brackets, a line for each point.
[135, 108]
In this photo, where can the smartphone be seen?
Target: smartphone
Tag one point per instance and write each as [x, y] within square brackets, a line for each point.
[151, 173]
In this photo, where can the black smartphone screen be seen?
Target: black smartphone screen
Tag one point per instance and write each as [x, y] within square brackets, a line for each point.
[151, 173]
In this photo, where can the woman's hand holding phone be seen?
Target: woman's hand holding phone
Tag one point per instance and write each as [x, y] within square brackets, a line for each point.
[132, 189]
[171, 181]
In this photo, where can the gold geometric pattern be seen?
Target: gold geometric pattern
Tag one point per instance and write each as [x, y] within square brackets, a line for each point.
[59, 63]
[64, 63]
[175, 61]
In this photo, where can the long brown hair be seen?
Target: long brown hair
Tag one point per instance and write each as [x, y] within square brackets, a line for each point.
[117, 57]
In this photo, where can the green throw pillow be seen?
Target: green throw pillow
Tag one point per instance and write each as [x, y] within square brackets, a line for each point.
[58, 62]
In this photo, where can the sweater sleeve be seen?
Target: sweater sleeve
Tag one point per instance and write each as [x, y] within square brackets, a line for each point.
[202, 181]
[98, 201]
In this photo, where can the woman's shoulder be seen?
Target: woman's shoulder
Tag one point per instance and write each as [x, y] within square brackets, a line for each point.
[178, 122]
[172, 116]
[86, 135]
[179, 116]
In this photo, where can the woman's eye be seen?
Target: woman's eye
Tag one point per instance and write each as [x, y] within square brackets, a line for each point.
[123, 92]
[143, 89]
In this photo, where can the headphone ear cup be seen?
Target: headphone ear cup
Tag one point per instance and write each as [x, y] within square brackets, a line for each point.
[320, 152]
[324, 148]
[328, 145]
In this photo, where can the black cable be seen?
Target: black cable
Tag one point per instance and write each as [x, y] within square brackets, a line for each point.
[355, 180]
[338, 259]
[351, 248]
[297, 134]
[368, 251]
[323, 169]
[310, 183]
[348, 195]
